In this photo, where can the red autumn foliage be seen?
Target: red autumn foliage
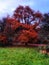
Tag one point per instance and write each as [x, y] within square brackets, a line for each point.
[15, 31]
[26, 32]
[3, 38]
[27, 35]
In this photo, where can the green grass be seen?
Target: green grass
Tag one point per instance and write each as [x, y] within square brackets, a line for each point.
[22, 56]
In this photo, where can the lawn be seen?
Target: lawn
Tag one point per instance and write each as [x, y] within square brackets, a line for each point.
[22, 56]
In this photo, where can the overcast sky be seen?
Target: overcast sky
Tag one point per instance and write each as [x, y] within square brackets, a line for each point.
[8, 6]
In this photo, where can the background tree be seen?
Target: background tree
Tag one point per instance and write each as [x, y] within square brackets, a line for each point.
[44, 32]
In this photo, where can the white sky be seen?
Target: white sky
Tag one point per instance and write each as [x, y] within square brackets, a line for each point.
[8, 6]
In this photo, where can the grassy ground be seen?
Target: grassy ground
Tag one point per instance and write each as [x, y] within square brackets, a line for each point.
[22, 56]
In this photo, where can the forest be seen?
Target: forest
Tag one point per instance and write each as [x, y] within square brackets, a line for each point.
[24, 27]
